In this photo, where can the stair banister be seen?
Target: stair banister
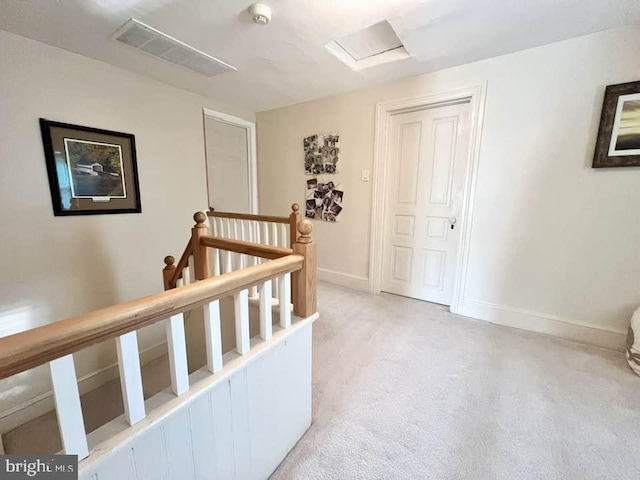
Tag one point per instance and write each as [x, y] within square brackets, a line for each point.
[294, 269]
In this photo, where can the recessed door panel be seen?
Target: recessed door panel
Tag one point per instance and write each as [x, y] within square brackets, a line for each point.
[437, 227]
[444, 131]
[404, 225]
[409, 161]
[434, 265]
[402, 263]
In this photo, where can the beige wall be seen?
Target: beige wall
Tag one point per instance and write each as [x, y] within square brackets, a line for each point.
[54, 267]
[554, 243]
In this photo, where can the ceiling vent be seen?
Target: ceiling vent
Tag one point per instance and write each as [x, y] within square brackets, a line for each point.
[371, 46]
[142, 37]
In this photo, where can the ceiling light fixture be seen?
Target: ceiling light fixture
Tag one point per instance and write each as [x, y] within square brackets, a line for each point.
[260, 13]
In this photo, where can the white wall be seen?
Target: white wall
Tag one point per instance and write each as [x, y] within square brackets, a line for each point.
[54, 267]
[554, 243]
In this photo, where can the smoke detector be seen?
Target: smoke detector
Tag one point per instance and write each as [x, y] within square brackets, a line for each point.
[260, 13]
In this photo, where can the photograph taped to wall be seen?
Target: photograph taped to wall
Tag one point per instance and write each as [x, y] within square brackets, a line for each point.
[321, 153]
[618, 143]
[323, 200]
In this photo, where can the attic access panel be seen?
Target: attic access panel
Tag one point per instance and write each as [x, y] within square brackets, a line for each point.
[368, 47]
[373, 40]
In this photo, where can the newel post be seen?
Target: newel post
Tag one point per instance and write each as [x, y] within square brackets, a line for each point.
[294, 219]
[168, 272]
[200, 252]
[305, 280]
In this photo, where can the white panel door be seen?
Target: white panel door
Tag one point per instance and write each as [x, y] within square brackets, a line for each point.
[228, 180]
[428, 153]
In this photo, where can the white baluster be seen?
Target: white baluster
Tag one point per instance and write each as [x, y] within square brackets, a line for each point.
[229, 258]
[284, 237]
[191, 263]
[177, 354]
[186, 275]
[217, 261]
[237, 258]
[215, 258]
[130, 377]
[264, 239]
[213, 336]
[251, 260]
[68, 407]
[224, 258]
[212, 225]
[244, 237]
[273, 240]
[266, 322]
[285, 300]
[221, 254]
[259, 238]
[241, 306]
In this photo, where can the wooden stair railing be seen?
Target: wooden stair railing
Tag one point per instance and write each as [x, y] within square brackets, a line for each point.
[55, 343]
[303, 283]
[292, 220]
[266, 230]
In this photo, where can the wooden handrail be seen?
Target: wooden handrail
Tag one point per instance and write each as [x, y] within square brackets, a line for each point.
[248, 216]
[38, 346]
[182, 263]
[248, 248]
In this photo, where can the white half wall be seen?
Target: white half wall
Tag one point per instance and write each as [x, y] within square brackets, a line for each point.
[550, 235]
[55, 267]
[237, 424]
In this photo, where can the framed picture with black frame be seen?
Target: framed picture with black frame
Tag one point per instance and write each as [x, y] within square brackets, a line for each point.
[91, 171]
[618, 143]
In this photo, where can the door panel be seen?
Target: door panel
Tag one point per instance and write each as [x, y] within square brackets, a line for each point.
[428, 154]
[402, 263]
[437, 227]
[409, 162]
[405, 225]
[443, 143]
[227, 155]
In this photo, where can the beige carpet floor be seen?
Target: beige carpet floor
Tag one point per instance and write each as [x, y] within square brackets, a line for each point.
[404, 389]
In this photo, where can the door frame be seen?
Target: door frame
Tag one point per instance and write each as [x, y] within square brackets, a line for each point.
[384, 110]
[252, 152]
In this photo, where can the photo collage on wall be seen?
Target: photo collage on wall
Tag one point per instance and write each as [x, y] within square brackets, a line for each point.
[323, 200]
[321, 156]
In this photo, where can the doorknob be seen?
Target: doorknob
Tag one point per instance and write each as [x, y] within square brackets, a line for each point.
[452, 221]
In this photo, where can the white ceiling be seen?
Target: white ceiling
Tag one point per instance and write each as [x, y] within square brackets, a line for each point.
[285, 62]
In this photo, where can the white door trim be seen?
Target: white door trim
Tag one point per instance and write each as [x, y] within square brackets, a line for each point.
[251, 149]
[384, 110]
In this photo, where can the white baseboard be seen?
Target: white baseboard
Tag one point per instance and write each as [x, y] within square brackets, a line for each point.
[43, 403]
[343, 279]
[536, 322]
